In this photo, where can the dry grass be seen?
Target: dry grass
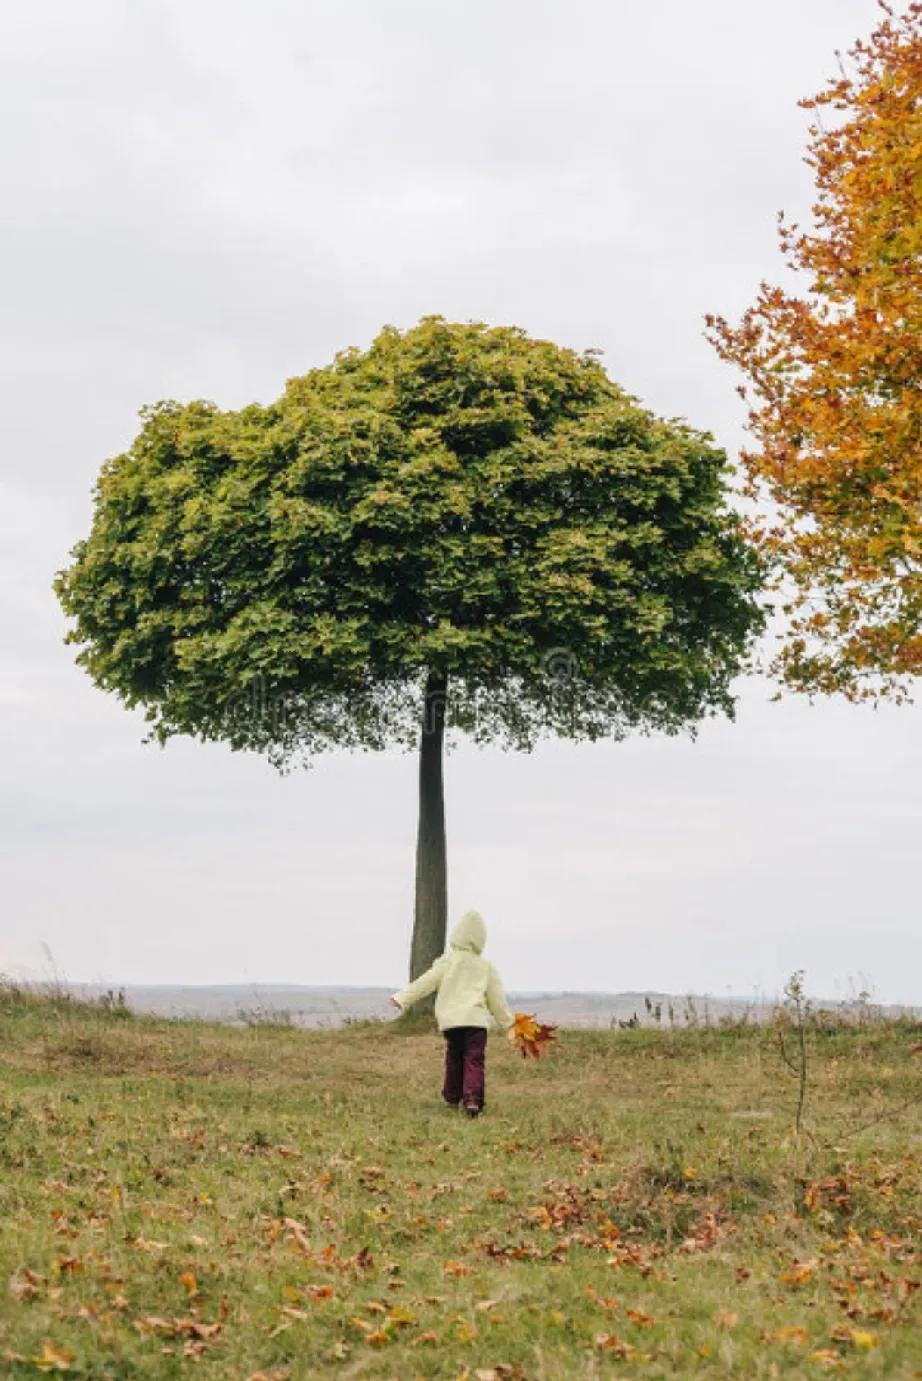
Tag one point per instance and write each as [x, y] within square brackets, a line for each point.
[184, 1198]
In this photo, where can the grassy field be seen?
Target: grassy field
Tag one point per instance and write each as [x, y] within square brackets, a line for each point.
[183, 1199]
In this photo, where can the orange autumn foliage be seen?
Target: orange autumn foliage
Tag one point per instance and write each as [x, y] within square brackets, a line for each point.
[531, 1037]
[835, 383]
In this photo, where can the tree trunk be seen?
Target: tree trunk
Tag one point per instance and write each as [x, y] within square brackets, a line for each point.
[431, 873]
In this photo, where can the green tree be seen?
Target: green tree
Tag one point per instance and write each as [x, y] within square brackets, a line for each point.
[460, 526]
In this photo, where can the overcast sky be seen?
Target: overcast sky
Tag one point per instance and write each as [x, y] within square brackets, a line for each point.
[201, 199]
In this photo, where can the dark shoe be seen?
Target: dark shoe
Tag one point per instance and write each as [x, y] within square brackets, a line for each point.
[472, 1110]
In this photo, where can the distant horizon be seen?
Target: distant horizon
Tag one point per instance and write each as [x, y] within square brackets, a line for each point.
[332, 1006]
[759, 998]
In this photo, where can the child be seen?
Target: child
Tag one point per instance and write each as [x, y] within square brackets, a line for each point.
[469, 999]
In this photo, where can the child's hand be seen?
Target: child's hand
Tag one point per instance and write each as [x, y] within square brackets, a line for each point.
[395, 1003]
[510, 1034]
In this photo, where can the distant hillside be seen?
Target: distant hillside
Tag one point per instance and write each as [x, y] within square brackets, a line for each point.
[334, 1006]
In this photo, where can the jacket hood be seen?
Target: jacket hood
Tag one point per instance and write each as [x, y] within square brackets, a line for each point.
[470, 933]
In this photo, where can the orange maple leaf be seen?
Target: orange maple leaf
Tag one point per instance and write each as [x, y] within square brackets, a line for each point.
[531, 1037]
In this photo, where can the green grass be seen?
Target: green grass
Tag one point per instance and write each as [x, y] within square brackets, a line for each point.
[184, 1199]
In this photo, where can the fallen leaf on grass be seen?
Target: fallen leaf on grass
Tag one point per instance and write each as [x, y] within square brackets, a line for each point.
[199, 1330]
[827, 1357]
[831, 1192]
[861, 1338]
[799, 1274]
[612, 1343]
[297, 1233]
[486, 1304]
[510, 1251]
[319, 1291]
[195, 1329]
[151, 1323]
[26, 1287]
[52, 1358]
[640, 1318]
[787, 1333]
[457, 1268]
[400, 1318]
[726, 1318]
[189, 1328]
[704, 1234]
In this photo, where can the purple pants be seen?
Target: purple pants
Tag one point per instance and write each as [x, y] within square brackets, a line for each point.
[465, 1058]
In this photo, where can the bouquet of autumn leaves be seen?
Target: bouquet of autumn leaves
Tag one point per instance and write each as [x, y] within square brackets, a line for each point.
[529, 1036]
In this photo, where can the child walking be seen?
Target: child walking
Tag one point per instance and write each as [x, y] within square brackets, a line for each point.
[469, 999]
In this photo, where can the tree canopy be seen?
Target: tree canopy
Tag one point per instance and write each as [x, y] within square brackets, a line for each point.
[835, 382]
[456, 499]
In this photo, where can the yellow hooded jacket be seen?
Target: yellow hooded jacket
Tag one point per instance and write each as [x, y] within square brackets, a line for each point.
[468, 988]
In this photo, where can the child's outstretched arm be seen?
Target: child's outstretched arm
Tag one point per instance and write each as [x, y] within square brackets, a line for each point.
[496, 1002]
[422, 986]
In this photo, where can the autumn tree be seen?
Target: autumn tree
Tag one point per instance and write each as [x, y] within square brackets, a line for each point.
[835, 382]
[460, 526]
